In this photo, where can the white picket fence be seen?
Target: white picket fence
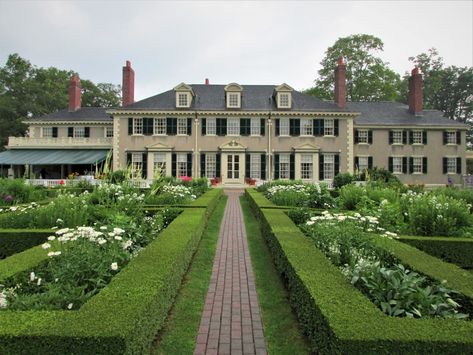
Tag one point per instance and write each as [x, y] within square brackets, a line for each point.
[68, 182]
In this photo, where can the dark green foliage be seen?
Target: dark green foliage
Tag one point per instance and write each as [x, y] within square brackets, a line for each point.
[13, 241]
[299, 215]
[15, 191]
[337, 318]
[343, 179]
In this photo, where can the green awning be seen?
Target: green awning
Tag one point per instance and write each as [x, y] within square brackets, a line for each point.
[52, 156]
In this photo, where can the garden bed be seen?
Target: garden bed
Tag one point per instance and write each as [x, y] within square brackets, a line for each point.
[126, 314]
[13, 241]
[338, 318]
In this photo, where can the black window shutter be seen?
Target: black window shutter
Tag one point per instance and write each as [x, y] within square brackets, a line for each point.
[276, 166]
[54, 132]
[424, 165]
[321, 167]
[370, 162]
[370, 137]
[70, 131]
[292, 166]
[189, 165]
[202, 165]
[337, 165]
[244, 126]
[262, 126]
[277, 126]
[221, 126]
[357, 139]
[217, 166]
[171, 126]
[189, 126]
[144, 169]
[459, 165]
[444, 137]
[411, 137]
[128, 159]
[130, 126]
[390, 164]
[297, 127]
[263, 167]
[357, 162]
[459, 137]
[291, 127]
[173, 164]
[391, 139]
[204, 126]
[86, 132]
[247, 165]
[148, 126]
[404, 165]
[445, 165]
[411, 165]
[318, 127]
[424, 137]
[335, 127]
[404, 137]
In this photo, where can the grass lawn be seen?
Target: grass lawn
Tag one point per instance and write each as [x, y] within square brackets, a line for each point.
[281, 329]
[182, 325]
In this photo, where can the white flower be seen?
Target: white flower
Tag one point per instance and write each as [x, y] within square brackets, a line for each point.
[69, 306]
[103, 228]
[46, 246]
[118, 231]
[309, 223]
[32, 276]
[51, 237]
[127, 244]
[114, 266]
[117, 237]
[62, 231]
[39, 281]
[59, 220]
[54, 253]
[101, 241]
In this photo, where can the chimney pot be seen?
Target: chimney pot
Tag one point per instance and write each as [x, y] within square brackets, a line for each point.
[207, 81]
[340, 84]
[74, 94]
[128, 86]
[415, 92]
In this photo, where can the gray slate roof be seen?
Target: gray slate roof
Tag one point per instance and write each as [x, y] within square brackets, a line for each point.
[82, 114]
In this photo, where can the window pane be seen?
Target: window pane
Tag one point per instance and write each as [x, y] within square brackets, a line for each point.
[255, 166]
[397, 137]
[284, 127]
[362, 136]
[417, 165]
[306, 166]
[416, 137]
[79, 132]
[255, 127]
[47, 132]
[451, 138]
[284, 100]
[233, 126]
[210, 165]
[362, 163]
[182, 99]
[233, 99]
[137, 126]
[306, 127]
[108, 132]
[159, 164]
[211, 126]
[397, 165]
[284, 166]
[329, 166]
[452, 165]
[182, 126]
[181, 165]
[328, 127]
[160, 126]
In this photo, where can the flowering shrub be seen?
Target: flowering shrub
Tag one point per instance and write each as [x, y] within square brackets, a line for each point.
[299, 194]
[171, 195]
[15, 191]
[346, 241]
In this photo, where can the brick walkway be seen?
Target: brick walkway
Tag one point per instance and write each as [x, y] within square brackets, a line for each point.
[231, 321]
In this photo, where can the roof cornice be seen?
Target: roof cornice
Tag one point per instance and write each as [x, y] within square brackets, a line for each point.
[68, 122]
[398, 126]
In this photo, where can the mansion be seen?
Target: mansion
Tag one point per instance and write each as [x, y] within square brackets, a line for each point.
[238, 132]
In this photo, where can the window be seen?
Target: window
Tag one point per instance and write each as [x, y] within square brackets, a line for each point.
[363, 163]
[451, 165]
[137, 126]
[108, 132]
[181, 165]
[255, 127]
[233, 99]
[182, 100]
[283, 100]
[329, 166]
[79, 132]
[233, 127]
[255, 166]
[306, 166]
[451, 137]
[284, 127]
[210, 165]
[211, 127]
[363, 136]
[417, 137]
[397, 165]
[306, 127]
[159, 126]
[159, 165]
[329, 129]
[137, 164]
[417, 165]
[182, 126]
[397, 137]
[284, 166]
[47, 132]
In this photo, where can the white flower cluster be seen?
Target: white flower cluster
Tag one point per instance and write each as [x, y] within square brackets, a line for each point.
[6, 293]
[19, 209]
[304, 189]
[179, 191]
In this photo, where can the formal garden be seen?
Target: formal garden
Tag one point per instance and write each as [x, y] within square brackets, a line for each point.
[372, 267]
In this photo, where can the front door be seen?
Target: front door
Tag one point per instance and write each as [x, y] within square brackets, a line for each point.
[233, 167]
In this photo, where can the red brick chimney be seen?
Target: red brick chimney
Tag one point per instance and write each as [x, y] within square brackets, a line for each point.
[74, 93]
[340, 84]
[207, 81]
[415, 92]
[128, 87]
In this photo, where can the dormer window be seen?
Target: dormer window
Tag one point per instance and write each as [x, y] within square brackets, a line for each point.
[234, 100]
[284, 100]
[283, 96]
[184, 94]
[182, 100]
[233, 95]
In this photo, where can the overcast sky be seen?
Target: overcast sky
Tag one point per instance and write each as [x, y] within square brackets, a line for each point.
[248, 42]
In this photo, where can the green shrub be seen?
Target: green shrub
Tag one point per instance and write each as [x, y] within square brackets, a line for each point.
[456, 193]
[299, 215]
[16, 191]
[350, 196]
[342, 179]
[13, 241]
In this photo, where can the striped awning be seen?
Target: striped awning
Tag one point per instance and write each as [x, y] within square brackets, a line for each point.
[52, 156]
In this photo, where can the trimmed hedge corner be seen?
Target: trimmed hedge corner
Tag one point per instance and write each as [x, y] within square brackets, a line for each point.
[339, 319]
[458, 251]
[13, 241]
[126, 315]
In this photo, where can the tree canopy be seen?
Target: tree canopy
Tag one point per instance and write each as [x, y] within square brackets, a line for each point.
[29, 91]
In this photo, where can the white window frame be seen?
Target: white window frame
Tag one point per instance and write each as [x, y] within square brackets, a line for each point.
[233, 99]
[307, 127]
[182, 126]
[363, 163]
[137, 126]
[362, 136]
[284, 166]
[255, 127]
[451, 165]
[417, 165]
[136, 164]
[108, 132]
[284, 100]
[255, 166]
[307, 167]
[397, 165]
[159, 162]
[47, 132]
[329, 166]
[181, 164]
[78, 132]
[210, 166]
[417, 137]
[182, 99]
[329, 127]
[211, 126]
[451, 137]
[397, 136]
[284, 127]
[233, 126]
[159, 126]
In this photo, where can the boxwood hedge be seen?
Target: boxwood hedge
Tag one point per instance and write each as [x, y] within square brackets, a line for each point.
[339, 319]
[13, 241]
[125, 316]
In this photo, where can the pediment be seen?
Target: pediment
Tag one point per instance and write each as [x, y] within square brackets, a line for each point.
[283, 87]
[232, 145]
[233, 87]
[159, 147]
[184, 87]
[307, 147]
